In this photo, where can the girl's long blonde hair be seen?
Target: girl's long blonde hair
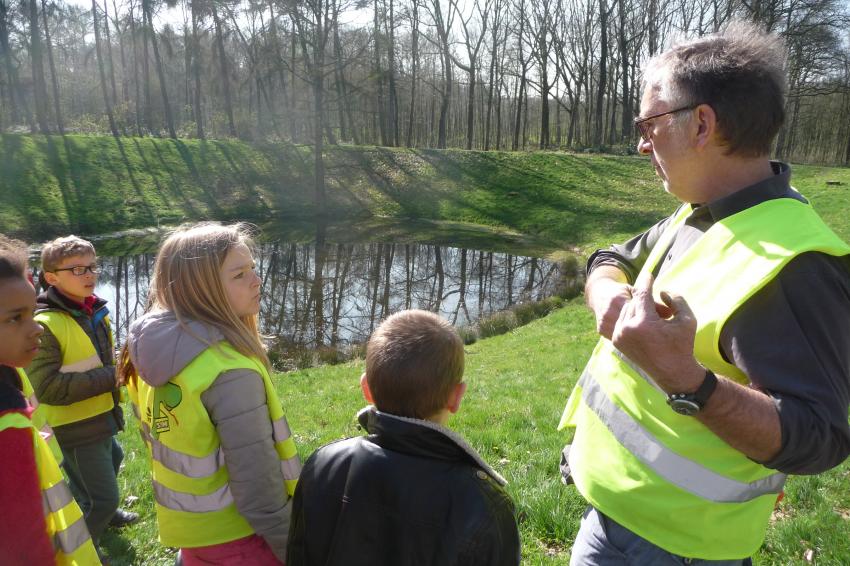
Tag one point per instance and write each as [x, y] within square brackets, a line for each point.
[187, 281]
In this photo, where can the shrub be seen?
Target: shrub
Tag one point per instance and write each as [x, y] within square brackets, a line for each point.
[468, 334]
[555, 302]
[525, 313]
[329, 355]
[499, 323]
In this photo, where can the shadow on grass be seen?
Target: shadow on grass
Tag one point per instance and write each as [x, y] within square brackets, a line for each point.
[118, 549]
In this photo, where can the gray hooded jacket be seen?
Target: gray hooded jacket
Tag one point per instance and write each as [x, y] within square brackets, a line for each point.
[160, 347]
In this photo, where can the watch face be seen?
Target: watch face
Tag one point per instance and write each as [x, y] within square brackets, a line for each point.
[684, 407]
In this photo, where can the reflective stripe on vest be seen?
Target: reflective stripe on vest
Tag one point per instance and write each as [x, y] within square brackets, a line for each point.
[56, 498]
[92, 362]
[189, 502]
[291, 467]
[676, 469]
[72, 538]
[78, 355]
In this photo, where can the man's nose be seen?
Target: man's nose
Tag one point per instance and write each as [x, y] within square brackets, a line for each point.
[644, 146]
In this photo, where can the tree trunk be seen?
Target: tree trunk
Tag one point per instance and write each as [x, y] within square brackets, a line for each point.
[521, 94]
[101, 71]
[225, 76]
[147, 35]
[626, 123]
[54, 78]
[393, 110]
[109, 53]
[39, 83]
[339, 82]
[414, 67]
[652, 20]
[490, 86]
[136, 89]
[197, 99]
[598, 125]
[470, 107]
[379, 79]
[125, 89]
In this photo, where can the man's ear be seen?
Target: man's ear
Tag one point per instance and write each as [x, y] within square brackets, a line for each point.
[706, 123]
[456, 396]
[364, 387]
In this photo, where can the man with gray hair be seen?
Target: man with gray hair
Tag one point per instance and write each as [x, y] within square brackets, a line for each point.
[723, 362]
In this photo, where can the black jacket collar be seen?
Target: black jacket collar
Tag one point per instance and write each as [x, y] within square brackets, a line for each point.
[420, 438]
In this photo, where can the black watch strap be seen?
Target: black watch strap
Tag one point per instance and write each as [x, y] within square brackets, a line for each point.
[691, 403]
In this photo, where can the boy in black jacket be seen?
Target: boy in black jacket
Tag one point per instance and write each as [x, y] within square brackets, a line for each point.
[412, 491]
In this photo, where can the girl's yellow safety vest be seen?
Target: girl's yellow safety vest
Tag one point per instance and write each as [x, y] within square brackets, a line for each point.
[194, 505]
[63, 519]
[664, 476]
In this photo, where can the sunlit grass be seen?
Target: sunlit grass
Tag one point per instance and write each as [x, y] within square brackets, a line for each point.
[518, 384]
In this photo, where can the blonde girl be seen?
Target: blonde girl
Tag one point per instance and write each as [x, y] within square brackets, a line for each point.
[224, 464]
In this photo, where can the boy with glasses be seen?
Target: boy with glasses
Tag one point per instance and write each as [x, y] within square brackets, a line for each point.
[74, 379]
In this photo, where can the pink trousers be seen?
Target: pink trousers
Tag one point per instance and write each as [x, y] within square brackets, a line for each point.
[248, 551]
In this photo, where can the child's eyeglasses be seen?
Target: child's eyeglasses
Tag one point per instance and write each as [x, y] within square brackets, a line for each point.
[79, 270]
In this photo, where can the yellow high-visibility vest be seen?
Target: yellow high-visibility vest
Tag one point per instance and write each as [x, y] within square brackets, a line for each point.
[78, 354]
[662, 475]
[39, 420]
[63, 519]
[194, 505]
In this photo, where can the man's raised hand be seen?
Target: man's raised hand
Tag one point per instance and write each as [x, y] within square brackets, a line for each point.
[659, 337]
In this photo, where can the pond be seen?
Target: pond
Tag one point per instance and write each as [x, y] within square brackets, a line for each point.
[323, 295]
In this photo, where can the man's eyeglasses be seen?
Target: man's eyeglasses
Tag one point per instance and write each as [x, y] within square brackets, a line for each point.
[645, 127]
[79, 270]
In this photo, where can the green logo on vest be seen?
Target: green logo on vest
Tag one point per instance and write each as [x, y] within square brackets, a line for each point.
[165, 399]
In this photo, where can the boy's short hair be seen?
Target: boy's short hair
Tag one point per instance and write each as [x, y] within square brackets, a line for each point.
[13, 258]
[54, 252]
[413, 361]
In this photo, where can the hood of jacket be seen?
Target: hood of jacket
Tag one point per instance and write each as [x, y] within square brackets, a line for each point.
[160, 346]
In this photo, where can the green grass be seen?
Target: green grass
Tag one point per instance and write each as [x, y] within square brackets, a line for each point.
[543, 201]
[518, 384]
[519, 381]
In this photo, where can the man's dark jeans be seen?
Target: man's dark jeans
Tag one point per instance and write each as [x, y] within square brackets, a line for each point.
[603, 542]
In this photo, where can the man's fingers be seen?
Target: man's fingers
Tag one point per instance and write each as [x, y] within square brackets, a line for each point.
[678, 305]
[644, 304]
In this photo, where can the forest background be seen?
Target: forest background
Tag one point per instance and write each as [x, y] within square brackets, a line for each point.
[474, 74]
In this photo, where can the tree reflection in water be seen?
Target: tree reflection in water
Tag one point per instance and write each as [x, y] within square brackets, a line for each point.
[325, 294]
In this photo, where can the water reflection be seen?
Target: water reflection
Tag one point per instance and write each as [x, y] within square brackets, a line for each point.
[325, 294]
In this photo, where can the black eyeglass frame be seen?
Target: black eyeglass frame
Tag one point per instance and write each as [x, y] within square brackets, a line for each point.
[93, 268]
[643, 127]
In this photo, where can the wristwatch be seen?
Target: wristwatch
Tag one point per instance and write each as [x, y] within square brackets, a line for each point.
[689, 404]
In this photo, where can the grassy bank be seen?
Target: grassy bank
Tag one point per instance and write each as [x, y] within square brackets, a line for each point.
[50, 185]
[518, 384]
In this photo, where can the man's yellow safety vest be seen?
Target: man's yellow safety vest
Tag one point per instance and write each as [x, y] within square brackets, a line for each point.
[78, 354]
[39, 420]
[194, 505]
[63, 520]
[662, 475]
